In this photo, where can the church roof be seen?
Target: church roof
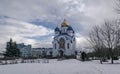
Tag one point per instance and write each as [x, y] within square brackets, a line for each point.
[63, 34]
[70, 28]
[57, 29]
[64, 23]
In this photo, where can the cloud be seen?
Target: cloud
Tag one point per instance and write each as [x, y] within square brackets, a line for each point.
[19, 30]
[30, 19]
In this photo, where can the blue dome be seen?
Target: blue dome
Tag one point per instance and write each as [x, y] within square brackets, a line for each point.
[57, 29]
[70, 28]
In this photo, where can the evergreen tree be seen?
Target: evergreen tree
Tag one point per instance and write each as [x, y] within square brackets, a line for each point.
[12, 50]
[8, 49]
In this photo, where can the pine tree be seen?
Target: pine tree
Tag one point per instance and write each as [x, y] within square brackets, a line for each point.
[12, 50]
[8, 49]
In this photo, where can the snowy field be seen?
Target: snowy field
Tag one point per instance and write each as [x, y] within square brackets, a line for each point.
[61, 67]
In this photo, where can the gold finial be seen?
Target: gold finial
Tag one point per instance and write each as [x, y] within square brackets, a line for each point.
[65, 23]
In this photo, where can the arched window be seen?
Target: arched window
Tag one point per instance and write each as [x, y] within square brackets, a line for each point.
[68, 46]
[62, 43]
[55, 46]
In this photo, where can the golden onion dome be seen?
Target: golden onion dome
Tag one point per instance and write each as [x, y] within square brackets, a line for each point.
[64, 23]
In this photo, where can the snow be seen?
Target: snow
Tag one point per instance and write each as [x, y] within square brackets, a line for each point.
[71, 66]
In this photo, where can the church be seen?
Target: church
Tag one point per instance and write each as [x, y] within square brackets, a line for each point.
[64, 42]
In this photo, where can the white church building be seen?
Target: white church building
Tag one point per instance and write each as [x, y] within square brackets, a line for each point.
[64, 42]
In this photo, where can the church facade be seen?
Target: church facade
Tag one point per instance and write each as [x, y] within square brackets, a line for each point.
[64, 42]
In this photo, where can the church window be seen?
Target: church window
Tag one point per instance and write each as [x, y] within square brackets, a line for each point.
[62, 43]
[68, 46]
[55, 46]
[64, 30]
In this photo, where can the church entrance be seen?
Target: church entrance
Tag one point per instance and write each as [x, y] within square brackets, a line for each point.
[61, 53]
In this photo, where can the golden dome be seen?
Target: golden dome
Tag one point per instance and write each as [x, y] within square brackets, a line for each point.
[64, 23]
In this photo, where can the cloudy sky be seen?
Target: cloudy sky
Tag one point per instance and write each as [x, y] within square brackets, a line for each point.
[33, 21]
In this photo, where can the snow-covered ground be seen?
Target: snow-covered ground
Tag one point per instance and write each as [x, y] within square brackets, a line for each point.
[61, 67]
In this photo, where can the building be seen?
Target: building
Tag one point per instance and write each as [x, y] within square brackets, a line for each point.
[64, 43]
[41, 52]
[1, 55]
[28, 51]
[25, 50]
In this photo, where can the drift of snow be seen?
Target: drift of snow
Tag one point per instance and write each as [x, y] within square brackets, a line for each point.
[61, 67]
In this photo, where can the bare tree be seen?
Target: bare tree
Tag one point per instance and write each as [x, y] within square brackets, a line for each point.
[106, 37]
[117, 8]
[111, 37]
[96, 41]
